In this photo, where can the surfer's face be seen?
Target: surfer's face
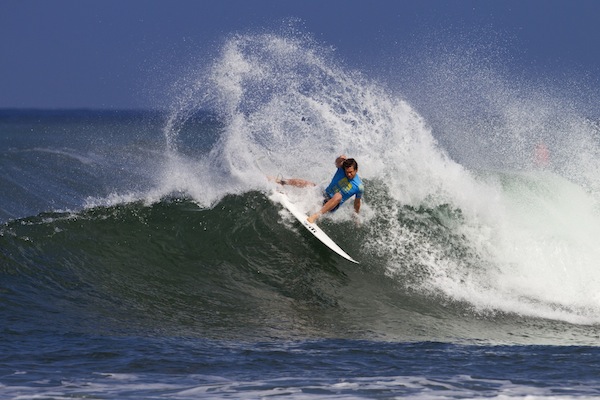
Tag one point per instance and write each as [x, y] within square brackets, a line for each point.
[350, 172]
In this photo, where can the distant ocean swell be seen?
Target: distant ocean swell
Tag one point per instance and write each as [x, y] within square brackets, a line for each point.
[187, 369]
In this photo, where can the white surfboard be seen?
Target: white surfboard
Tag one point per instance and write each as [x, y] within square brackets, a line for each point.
[312, 228]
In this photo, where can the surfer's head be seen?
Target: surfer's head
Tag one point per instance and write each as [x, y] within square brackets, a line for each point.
[350, 168]
[350, 162]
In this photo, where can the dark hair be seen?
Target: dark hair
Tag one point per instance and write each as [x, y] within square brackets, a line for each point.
[350, 162]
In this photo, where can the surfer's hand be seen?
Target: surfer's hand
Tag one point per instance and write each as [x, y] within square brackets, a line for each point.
[340, 160]
[357, 220]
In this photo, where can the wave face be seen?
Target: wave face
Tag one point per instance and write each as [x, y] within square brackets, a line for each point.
[239, 270]
[173, 232]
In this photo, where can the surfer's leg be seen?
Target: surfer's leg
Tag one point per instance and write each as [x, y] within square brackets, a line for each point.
[292, 181]
[326, 198]
[297, 182]
[331, 204]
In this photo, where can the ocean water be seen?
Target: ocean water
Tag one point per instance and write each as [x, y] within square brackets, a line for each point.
[141, 255]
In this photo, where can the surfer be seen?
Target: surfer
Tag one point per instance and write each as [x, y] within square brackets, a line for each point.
[344, 184]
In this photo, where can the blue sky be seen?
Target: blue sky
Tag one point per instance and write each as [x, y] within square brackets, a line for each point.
[125, 53]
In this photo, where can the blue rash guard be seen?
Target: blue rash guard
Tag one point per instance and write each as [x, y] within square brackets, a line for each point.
[347, 188]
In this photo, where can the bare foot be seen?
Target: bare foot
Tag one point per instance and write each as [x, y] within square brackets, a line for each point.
[276, 179]
[313, 218]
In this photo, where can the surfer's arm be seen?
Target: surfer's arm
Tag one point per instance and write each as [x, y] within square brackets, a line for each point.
[355, 216]
[330, 205]
[357, 205]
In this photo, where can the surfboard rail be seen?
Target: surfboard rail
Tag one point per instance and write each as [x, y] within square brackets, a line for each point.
[284, 200]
